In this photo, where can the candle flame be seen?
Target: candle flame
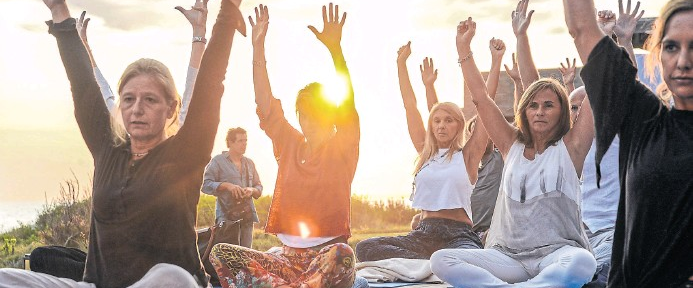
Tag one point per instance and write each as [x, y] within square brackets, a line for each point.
[303, 228]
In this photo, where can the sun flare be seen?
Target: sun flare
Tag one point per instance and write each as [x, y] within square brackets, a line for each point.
[335, 89]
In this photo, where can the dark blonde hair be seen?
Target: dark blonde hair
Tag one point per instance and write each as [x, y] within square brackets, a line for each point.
[654, 42]
[524, 135]
[159, 73]
[431, 144]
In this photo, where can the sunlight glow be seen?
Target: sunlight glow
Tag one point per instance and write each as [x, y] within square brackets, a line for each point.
[303, 227]
[335, 89]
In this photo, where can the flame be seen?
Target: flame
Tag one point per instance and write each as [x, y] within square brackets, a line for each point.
[303, 227]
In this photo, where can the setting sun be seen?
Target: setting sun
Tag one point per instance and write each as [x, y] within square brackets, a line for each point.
[335, 89]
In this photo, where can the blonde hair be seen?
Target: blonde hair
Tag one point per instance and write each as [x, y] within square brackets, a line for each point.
[654, 42]
[524, 134]
[159, 73]
[431, 146]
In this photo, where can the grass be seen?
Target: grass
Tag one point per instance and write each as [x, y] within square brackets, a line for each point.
[65, 222]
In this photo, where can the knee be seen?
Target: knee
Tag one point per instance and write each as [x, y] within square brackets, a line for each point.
[440, 265]
[167, 275]
[342, 253]
[579, 267]
[363, 248]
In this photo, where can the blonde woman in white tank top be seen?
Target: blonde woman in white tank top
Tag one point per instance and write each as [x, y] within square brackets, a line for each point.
[445, 175]
[536, 238]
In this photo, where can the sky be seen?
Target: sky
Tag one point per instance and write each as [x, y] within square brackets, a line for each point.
[40, 145]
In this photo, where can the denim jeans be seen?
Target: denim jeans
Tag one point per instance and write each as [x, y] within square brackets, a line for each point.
[431, 235]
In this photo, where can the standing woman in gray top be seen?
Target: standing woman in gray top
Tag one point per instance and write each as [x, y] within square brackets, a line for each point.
[233, 179]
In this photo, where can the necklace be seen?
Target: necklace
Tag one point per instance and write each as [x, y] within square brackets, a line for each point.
[140, 154]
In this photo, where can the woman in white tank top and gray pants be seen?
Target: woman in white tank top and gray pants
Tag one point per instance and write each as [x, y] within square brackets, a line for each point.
[446, 173]
[536, 238]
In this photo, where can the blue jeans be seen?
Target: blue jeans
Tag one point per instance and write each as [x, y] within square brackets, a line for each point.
[431, 235]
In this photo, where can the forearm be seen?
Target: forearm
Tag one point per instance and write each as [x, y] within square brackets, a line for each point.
[628, 45]
[197, 47]
[431, 96]
[91, 112]
[203, 116]
[190, 79]
[493, 78]
[210, 187]
[582, 26]
[60, 13]
[342, 70]
[517, 93]
[528, 71]
[106, 91]
[415, 124]
[261, 84]
[570, 86]
[488, 111]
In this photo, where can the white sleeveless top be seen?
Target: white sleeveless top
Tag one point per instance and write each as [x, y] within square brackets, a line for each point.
[538, 205]
[442, 184]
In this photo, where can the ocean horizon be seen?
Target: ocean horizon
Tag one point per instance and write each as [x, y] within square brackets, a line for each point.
[12, 214]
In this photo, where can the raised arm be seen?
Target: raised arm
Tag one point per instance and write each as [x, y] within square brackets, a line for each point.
[520, 20]
[203, 116]
[582, 25]
[568, 75]
[197, 16]
[91, 112]
[417, 131]
[429, 75]
[106, 92]
[514, 74]
[497, 47]
[579, 139]
[491, 116]
[331, 37]
[263, 90]
[625, 27]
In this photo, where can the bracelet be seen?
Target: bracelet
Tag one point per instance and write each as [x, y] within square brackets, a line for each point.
[259, 63]
[199, 39]
[465, 58]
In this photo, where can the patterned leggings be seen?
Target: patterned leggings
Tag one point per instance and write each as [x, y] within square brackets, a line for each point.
[240, 267]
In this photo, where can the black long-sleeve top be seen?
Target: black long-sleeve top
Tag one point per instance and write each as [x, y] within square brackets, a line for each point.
[653, 238]
[144, 212]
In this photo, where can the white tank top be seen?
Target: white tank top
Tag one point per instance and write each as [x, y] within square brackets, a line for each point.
[538, 206]
[442, 184]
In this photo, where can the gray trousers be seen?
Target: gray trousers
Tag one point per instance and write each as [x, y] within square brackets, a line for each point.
[431, 235]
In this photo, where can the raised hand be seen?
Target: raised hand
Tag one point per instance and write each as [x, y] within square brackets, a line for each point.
[82, 25]
[197, 16]
[331, 34]
[497, 47]
[428, 73]
[521, 18]
[259, 26]
[513, 73]
[627, 20]
[403, 53]
[606, 21]
[465, 32]
[568, 74]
